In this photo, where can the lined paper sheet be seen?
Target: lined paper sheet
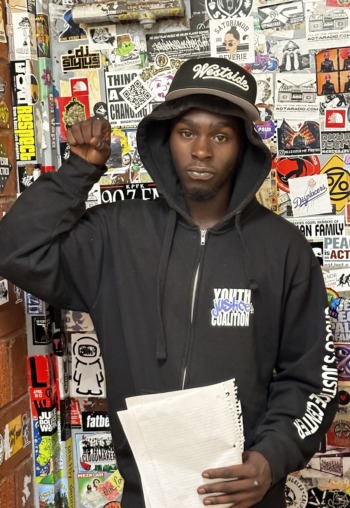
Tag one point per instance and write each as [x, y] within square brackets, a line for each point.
[175, 436]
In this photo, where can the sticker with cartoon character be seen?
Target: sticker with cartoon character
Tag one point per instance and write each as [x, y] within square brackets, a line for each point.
[233, 39]
[88, 377]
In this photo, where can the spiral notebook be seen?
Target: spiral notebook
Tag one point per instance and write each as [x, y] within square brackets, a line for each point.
[175, 436]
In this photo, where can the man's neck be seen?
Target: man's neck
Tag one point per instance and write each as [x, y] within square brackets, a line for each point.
[207, 213]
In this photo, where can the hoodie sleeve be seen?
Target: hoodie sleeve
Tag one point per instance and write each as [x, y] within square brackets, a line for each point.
[48, 241]
[303, 395]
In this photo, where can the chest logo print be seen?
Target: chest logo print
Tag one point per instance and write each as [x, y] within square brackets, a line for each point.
[231, 307]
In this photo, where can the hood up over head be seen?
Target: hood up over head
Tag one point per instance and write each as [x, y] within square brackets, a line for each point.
[219, 86]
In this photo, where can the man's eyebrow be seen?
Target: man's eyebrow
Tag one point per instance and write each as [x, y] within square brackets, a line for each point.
[191, 123]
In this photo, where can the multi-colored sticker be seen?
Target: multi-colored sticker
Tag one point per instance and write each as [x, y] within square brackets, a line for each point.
[342, 352]
[339, 432]
[333, 71]
[336, 250]
[71, 111]
[24, 133]
[5, 96]
[95, 452]
[42, 34]
[344, 396]
[72, 30]
[125, 52]
[298, 138]
[294, 167]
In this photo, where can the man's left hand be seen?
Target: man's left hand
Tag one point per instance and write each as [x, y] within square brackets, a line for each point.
[252, 480]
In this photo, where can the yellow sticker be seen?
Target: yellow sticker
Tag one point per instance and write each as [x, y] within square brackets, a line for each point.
[338, 179]
[15, 435]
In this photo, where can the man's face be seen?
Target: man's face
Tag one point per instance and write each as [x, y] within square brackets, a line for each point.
[204, 148]
[231, 43]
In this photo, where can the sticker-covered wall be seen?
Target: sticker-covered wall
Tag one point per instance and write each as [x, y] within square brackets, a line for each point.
[70, 60]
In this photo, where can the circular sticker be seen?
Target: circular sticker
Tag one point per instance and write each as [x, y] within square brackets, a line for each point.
[218, 9]
[295, 492]
[293, 167]
[266, 130]
[100, 109]
[344, 397]
[161, 60]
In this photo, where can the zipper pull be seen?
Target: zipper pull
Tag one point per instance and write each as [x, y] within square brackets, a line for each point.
[203, 236]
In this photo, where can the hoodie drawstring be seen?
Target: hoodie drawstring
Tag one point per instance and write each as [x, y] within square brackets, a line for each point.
[248, 267]
[162, 271]
[163, 267]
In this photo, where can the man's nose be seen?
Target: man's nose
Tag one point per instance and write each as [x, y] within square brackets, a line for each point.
[201, 148]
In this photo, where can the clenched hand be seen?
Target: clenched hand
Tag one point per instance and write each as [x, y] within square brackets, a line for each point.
[91, 140]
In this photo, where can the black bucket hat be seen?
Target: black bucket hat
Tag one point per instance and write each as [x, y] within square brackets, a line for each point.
[216, 76]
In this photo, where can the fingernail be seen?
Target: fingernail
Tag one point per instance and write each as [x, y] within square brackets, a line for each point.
[207, 501]
[205, 475]
[201, 490]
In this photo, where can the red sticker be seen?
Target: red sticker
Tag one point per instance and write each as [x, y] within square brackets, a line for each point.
[293, 167]
[72, 110]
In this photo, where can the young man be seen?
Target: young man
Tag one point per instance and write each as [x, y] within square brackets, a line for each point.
[202, 285]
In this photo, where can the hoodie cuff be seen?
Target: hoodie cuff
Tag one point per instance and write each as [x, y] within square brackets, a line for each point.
[80, 175]
[280, 455]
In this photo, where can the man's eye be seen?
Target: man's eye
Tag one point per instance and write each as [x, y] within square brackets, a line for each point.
[221, 137]
[186, 134]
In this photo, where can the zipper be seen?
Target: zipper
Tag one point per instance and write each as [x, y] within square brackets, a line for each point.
[203, 237]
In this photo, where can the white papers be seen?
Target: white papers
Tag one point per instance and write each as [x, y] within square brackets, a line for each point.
[175, 436]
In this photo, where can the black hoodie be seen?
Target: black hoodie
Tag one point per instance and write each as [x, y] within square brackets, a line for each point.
[174, 307]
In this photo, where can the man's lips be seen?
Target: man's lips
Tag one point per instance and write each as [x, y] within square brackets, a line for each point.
[199, 173]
